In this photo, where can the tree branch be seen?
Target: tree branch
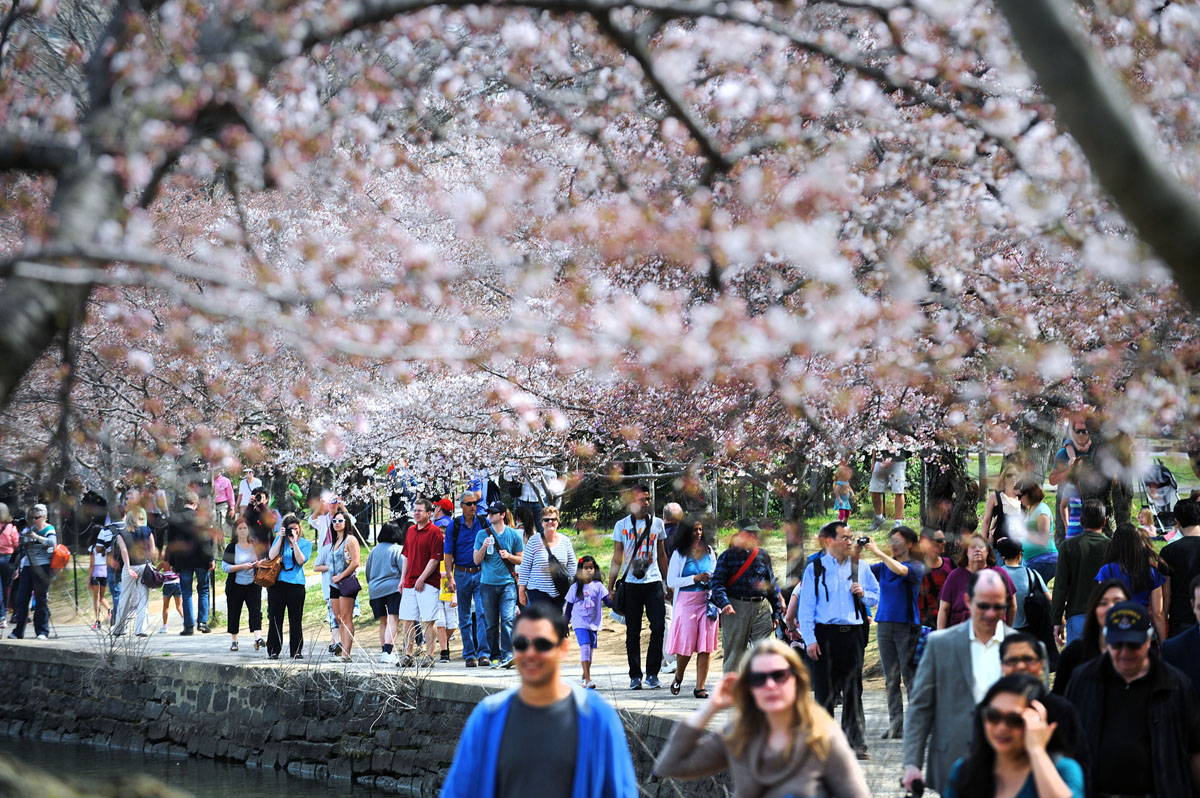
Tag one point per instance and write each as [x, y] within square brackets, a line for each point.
[1095, 109]
[46, 156]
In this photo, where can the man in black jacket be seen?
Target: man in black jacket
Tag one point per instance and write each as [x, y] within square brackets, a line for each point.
[189, 549]
[1140, 716]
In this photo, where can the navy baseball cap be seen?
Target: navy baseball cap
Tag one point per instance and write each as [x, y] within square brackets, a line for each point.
[496, 507]
[1127, 622]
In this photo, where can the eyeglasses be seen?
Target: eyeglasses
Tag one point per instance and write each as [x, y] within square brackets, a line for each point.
[1012, 720]
[1027, 659]
[1082, 432]
[987, 606]
[469, 504]
[542, 645]
[940, 541]
[845, 539]
[760, 678]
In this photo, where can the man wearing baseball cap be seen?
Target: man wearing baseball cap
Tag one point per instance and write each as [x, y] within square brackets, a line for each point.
[1140, 716]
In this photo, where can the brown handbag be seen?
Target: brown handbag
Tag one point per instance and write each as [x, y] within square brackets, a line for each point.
[267, 573]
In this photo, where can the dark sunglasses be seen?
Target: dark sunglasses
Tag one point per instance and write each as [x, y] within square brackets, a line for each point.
[1082, 432]
[1012, 720]
[469, 504]
[542, 645]
[760, 678]
[985, 606]
[1130, 646]
[1028, 659]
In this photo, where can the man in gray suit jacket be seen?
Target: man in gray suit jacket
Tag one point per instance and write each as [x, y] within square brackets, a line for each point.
[958, 667]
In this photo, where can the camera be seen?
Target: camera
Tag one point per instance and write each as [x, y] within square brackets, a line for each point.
[864, 540]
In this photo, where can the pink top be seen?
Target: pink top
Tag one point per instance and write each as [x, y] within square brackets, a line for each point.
[223, 490]
[8, 539]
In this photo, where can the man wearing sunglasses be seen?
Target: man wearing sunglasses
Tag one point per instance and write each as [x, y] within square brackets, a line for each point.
[1140, 716]
[958, 667]
[493, 756]
[463, 574]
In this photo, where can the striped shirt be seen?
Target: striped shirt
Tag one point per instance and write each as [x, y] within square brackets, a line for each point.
[534, 570]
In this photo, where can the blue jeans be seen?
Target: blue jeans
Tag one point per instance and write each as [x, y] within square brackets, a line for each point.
[472, 621]
[201, 577]
[499, 607]
[1046, 565]
[1075, 627]
[114, 590]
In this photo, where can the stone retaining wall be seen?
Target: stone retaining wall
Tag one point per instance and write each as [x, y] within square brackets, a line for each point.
[393, 733]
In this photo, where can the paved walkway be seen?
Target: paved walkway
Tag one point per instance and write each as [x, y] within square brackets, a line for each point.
[882, 770]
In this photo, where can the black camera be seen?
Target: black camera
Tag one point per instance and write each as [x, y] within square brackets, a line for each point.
[864, 540]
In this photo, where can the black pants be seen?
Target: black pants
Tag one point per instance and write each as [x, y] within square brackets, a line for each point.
[648, 598]
[251, 596]
[840, 668]
[34, 581]
[532, 596]
[285, 596]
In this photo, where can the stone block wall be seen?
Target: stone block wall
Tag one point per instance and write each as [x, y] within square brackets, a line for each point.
[396, 734]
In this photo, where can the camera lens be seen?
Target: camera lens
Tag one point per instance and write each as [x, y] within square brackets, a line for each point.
[864, 540]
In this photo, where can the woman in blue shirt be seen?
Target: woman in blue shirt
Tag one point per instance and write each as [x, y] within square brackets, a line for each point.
[287, 594]
[1015, 751]
[1132, 559]
[898, 619]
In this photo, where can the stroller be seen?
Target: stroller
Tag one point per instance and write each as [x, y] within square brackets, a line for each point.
[1161, 492]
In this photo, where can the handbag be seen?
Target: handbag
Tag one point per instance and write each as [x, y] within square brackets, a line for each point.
[350, 586]
[558, 571]
[152, 577]
[266, 574]
[620, 595]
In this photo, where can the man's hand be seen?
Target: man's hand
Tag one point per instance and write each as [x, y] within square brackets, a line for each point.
[419, 585]
[504, 555]
[450, 584]
[1060, 635]
[856, 590]
[728, 610]
[814, 651]
[911, 774]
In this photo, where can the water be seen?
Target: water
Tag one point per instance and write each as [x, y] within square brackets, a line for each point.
[202, 778]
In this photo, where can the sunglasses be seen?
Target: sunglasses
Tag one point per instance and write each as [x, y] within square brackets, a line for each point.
[760, 678]
[1082, 432]
[339, 520]
[469, 504]
[986, 606]
[1028, 659]
[542, 645]
[1129, 646]
[550, 520]
[994, 717]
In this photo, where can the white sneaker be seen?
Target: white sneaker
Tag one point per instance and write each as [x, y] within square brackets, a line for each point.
[163, 629]
[388, 658]
[42, 637]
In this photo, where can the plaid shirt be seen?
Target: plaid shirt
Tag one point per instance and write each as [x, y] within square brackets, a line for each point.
[758, 580]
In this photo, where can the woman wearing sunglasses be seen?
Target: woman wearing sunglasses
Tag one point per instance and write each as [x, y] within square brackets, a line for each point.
[780, 742]
[1015, 751]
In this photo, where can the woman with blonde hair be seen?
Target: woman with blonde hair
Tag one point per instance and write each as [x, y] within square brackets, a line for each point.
[780, 742]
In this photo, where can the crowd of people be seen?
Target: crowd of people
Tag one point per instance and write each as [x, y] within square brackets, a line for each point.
[1038, 653]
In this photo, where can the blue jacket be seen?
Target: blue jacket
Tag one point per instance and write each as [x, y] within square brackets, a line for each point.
[1183, 651]
[603, 766]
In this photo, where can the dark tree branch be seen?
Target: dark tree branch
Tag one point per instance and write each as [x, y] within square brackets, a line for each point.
[46, 156]
[1095, 109]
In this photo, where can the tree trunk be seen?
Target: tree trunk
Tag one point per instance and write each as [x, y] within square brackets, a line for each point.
[953, 496]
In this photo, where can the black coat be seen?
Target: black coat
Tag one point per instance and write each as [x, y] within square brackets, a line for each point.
[188, 547]
[1183, 651]
[1172, 711]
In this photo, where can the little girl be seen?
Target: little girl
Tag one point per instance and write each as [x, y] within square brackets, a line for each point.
[98, 580]
[842, 493]
[585, 609]
[170, 588]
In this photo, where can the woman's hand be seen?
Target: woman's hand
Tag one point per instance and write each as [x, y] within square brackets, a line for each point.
[722, 697]
[702, 578]
[1037, 731]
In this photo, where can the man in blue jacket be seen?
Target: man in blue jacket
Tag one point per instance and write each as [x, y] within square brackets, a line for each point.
[590, 756]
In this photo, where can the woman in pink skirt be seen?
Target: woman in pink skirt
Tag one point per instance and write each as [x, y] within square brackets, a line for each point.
[692, 631]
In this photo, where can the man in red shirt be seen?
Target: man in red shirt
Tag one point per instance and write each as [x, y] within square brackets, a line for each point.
[421, 583]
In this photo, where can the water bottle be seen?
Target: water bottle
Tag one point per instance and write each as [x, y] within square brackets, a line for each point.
[491, 546]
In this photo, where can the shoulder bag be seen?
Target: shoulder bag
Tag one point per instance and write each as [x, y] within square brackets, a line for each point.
[557, 571]
[619, 593]
[152, 577]
[266, 574]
